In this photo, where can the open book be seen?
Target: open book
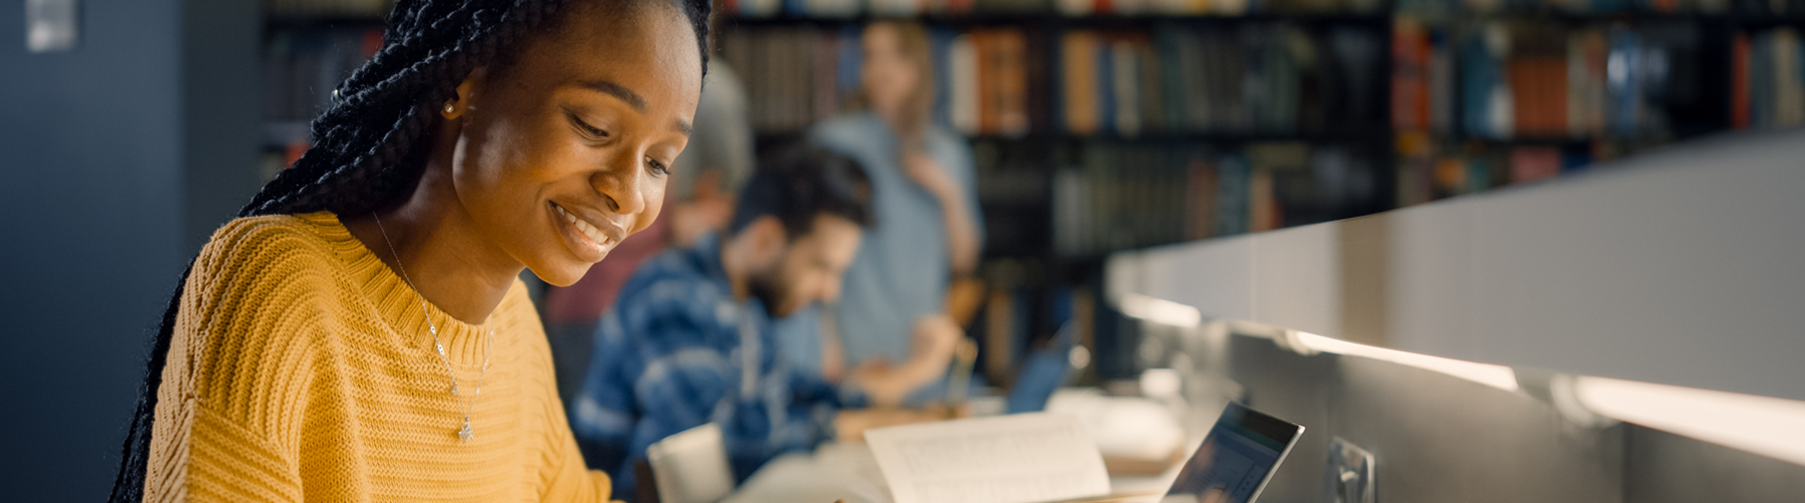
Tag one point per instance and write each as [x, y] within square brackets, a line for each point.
[1022, 458]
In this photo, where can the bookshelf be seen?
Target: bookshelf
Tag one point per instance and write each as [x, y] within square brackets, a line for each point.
[308, 47]
[1138, 73]
[1732, 51]
[1598, 81]
[1065, 177]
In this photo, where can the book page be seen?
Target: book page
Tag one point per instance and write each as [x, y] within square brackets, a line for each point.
[1022, 458]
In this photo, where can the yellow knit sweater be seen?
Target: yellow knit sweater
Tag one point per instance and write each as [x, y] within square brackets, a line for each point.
[301, 370]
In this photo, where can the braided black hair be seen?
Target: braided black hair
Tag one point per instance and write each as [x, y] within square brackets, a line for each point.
[370, 145]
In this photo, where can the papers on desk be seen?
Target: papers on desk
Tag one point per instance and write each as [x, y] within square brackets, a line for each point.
[1022, 458]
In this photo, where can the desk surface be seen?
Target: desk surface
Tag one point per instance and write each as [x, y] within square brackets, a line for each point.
[849, 472]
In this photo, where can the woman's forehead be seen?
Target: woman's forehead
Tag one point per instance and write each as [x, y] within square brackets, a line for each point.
[652, 51]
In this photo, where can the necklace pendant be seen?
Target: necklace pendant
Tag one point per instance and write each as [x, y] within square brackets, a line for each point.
[465, 433]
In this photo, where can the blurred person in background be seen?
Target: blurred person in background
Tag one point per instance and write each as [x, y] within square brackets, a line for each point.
[361, 332]
[690, 340]
[698, 200]
[928, 230]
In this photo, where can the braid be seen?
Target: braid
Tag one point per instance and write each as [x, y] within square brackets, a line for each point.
[370, 145]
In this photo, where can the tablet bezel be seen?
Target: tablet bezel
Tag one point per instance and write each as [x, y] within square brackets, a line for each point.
[1261, 423]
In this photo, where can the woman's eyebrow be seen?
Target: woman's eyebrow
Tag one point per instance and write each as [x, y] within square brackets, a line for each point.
[632, 99]
[618, 91]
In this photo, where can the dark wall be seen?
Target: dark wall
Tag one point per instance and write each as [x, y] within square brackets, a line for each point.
[101, 152]
[222, 112]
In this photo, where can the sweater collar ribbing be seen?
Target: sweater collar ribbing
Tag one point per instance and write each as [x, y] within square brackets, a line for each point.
[399, 305]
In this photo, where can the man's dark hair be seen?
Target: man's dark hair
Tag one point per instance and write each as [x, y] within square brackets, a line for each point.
[370, 145]
[801, 182]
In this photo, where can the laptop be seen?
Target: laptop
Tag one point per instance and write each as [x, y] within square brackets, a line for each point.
[1236, 460]
[1051, 458]
[1043, 371]
[1234, 464]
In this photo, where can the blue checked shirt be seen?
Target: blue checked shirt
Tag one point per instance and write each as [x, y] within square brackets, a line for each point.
[676, 352]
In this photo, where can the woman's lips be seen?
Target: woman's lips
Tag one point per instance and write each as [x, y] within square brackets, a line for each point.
[594, 242]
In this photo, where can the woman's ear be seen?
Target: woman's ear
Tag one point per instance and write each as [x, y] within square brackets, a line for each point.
[466, 92]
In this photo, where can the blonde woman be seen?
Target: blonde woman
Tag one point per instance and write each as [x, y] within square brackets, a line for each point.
[892, 330]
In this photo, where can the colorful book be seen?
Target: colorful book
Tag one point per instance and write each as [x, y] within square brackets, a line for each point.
[1079, 58]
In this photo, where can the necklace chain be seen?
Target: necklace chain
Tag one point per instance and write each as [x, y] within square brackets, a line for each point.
[466, 432]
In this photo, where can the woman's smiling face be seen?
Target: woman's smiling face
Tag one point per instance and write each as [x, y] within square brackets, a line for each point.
[564, 151]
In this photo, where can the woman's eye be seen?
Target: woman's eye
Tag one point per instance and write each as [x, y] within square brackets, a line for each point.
[592, 130]
[586, 128]
[658, 167]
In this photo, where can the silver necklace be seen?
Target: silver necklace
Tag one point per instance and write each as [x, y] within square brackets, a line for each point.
[466, 432]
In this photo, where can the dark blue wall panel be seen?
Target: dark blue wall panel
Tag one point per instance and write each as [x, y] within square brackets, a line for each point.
[98, 152]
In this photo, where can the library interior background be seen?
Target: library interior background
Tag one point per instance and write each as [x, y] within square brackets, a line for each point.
[1518, 250]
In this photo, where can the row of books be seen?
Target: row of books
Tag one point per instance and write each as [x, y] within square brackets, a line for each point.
[1260, 78]
[1255, 78]
[794, 76]
[1768, 79]
[334, 8]
[1430, 168]
[301, 67]
[1474, 168]
[1131, 196]
[1543, 80]
[1070, 8]
[1444, 8]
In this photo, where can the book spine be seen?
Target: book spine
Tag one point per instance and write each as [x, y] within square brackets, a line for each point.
[1104, 78]
[1077, 48]
[1127, 90]
[1409, 100]
[1149, 81]
[1200, 199]
[985, 79]
[1012, 76]
[1441, 85]
[826, 75]
[962, 76]
[1789, 88]
[1739, 82]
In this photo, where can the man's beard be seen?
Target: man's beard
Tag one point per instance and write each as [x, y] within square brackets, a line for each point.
[770, 291]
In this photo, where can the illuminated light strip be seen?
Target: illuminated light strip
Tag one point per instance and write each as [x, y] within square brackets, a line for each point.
[1771, 427]
[1765, 426]
[1497, 376]
[1179, 315]
[1160, 311]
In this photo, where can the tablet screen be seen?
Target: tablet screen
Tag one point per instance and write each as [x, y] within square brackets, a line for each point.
[1236, 459]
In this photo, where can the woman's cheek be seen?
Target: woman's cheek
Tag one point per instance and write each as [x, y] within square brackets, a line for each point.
[654, 203]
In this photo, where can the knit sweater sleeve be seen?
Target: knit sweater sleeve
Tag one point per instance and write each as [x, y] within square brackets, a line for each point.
[564, 475]
[567, 476]
[571, 479]
[240, 365]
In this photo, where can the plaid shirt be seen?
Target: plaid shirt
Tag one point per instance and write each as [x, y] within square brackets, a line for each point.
[677, 351]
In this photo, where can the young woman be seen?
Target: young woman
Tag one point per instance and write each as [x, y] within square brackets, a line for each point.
[360, 334]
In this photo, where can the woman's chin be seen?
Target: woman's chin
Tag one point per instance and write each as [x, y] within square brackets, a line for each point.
[562, 275]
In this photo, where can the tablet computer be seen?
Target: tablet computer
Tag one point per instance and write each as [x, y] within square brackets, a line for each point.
[1236, 460]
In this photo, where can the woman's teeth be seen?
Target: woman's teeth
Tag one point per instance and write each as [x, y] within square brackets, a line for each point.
[588, 230]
